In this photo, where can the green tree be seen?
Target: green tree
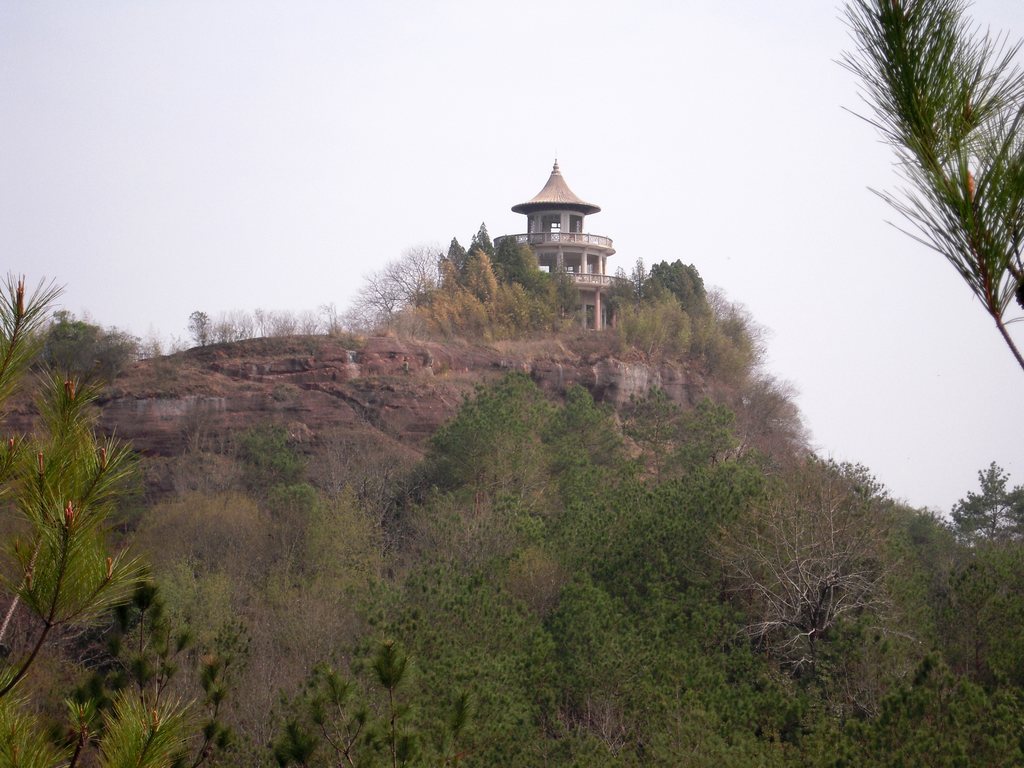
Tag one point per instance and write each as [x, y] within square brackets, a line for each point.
[950, 102]
[984, 615]
[995, 512]
[582, 431]
[638, 280]
[82, 350]
[705, 435]
[516, 263]
[146, 654]
[69, 344]
[491, 448]
[599, 675]
[61, 484]
[468, 635]
[268, 459]
[621, 295]
[566, 295]
[456, 256]
[337, 721]
[390, 666]
[936, 719]
[481, 242]
[682, 281]
[653, 422]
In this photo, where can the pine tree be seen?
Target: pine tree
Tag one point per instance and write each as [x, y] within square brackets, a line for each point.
[997, 512]
[950, 103]
[456, 256]
[61, 483]
[482, 242]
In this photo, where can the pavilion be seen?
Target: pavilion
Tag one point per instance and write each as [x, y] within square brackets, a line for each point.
[556, 233]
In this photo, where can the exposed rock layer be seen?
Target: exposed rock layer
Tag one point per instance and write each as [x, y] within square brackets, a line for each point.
[400, 389]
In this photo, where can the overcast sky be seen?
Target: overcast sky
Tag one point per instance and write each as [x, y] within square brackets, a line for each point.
[161, 157]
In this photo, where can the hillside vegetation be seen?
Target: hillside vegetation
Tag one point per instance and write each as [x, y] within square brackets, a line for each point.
[547, 581]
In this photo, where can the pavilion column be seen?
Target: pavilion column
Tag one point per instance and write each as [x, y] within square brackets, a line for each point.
[597, 310]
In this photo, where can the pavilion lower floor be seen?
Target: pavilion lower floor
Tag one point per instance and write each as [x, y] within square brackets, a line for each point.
[595, 312]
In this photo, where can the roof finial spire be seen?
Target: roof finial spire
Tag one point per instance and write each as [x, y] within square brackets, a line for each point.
[554, 169]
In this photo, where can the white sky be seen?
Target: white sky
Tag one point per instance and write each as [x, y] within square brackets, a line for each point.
[165, 156]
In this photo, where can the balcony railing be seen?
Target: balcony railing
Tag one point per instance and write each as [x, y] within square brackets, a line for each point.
[587, 279]
[542, 238]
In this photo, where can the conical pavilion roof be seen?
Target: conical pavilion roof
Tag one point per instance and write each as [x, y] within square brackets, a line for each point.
[556, 195]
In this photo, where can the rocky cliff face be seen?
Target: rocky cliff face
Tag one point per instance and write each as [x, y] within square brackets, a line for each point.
[400, 390]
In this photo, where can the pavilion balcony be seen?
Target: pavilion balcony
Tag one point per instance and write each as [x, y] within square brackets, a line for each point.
[590, 280]
[564, 238]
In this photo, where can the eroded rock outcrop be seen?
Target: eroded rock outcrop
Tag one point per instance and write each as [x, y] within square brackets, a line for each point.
[403, 390]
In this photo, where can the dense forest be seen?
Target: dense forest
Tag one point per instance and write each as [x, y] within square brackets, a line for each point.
[551, 582]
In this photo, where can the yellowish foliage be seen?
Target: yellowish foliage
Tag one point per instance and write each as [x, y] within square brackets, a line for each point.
[658, 330]
[343, 544]
[212, 531]
[536, 578]
[480, 280]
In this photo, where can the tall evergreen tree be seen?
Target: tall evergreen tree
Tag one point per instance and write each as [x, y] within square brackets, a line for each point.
[456, 256]
[515, 263]
[482, 242]
[996, 512]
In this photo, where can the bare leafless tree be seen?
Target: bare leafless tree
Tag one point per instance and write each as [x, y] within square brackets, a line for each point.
[808, 556]
[379, 300]
[405, 282]
[415, 273]
[261, 319]
[224, 330]
[244, 324]
[332, 320]
[309, 323]
[768, 419]
[281, 324]
[235, 325]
